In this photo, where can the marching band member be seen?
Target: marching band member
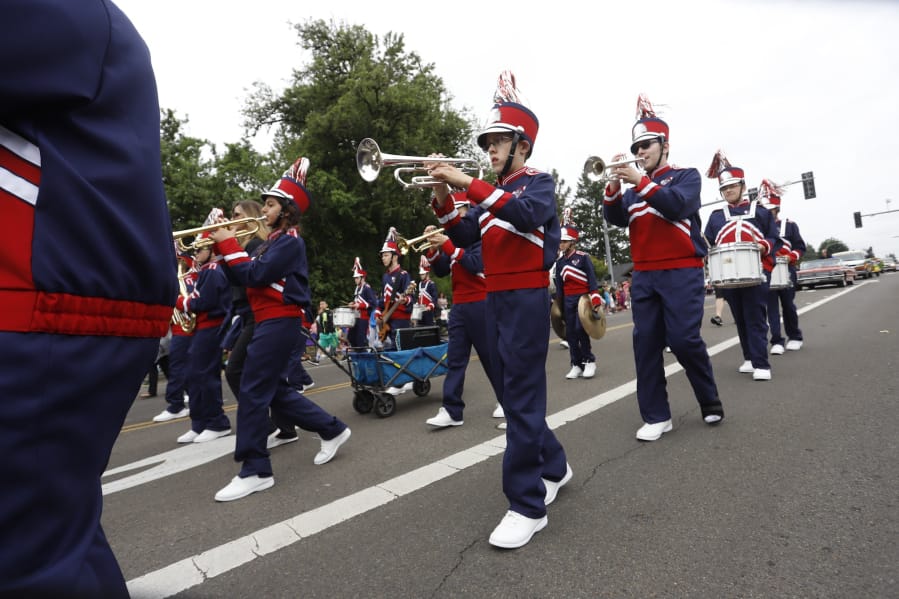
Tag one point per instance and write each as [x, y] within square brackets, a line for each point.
[210, 300]
[427, 293]
[661, 211]
[395, 304]
[793, 248]
[365, 301]
[576, 276]
[467, 324]
[87, 281]
[743, 220]
[178, 380]
[277, 283]
[517, 224]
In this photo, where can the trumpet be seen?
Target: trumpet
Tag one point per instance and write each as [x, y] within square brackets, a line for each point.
[404, 245]
[186, 320]
[370, 160]
[199, 243]
[596, 169]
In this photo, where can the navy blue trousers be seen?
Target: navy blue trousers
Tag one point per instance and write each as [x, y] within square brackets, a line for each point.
[177, 382]
[205, 369]
[579, 349]
[264, 385]
[517, 331]
[64, 400]
[357, 336]
[466, 329]
[667, 307]
[749, 306]
[785, 298]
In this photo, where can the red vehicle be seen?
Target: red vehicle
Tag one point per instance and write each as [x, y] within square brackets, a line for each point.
[826, 271]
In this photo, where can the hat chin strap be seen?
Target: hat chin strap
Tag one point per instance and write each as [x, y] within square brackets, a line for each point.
[516, 137]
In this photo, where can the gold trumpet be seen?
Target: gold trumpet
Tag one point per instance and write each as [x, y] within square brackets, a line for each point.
[199, 243]
[597, 170]
[186, 320]
[370, 160]
[404, 245]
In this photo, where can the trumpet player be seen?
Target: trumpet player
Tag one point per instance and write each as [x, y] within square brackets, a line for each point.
[426, 293]
[661, 211]
[517, 224]
[176, 384]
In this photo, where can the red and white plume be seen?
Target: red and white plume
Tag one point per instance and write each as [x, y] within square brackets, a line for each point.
[215, 215]
[392, 234]
[566, 217]
[506, 91]
[719, 163]
[644, 108]
[770, 189]
[298, 169]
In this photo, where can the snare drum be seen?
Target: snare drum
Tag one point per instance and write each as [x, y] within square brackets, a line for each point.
[345, 317]
[418, 311]
[780, 275]
[735, 265]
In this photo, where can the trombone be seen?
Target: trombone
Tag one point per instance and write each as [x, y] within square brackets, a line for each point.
[370, 160]
[597, 170]
[202, 242]
[404, 245]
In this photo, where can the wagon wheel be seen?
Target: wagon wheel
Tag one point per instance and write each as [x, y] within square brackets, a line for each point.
[421, 388]
[385, 405]
[363, 401]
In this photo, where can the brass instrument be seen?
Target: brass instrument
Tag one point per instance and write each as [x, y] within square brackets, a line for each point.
[596, 169]
[370, 160]
[404, 245]
[186, 320]
[198, 243]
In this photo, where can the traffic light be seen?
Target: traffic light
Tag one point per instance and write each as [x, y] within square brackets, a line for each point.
[808, 185]
[753, 193]
[858, 219]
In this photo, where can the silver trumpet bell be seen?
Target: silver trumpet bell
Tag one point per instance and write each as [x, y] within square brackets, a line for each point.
[370, 160]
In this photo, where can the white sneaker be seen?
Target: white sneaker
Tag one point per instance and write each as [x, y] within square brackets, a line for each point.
[794, 344]
[330, 447]
[239, 488]
[443, 419]
[515, 530]
[746, 367]
[275, 441]
[188, 437]
[501, 426]
[777, 349]
[165, 415]
[761, 374]
[712, 418]
[574, 372]
[552, 487]
[398, 390]
[589, 370]
[498, 412]
[309, 386]
[653, 432]
[563, 344]
[208, 435]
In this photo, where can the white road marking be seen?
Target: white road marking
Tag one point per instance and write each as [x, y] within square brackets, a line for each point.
[195, 570]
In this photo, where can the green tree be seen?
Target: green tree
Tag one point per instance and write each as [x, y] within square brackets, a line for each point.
[832, 245]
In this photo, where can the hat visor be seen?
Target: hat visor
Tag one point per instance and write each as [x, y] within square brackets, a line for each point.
[495, 128]
[568, 238]
[644, 137]
[730, 182]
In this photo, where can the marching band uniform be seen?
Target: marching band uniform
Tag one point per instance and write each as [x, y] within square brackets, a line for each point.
[365, 301]
[745, 221]
[467, 323]
[516, 222]
[661, 212]
[793, 249]
[79, 160]
[574, 277]
[178, 380]
[277, 283]
[427, 294]
[394, 282]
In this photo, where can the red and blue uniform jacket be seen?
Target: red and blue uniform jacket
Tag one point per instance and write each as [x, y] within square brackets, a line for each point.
[575, 275]
[88, 248]
[464, 266]
[745, 222]
[395, 282]
[793, 244]
[210, 298]
[427, 294]
[276, 278]
[190, 280]
[366, 300]
[517, 224]
[662, 216]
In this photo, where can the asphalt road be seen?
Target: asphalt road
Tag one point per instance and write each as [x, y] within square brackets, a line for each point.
[794, 495]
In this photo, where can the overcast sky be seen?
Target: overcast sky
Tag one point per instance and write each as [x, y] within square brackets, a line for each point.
[782, 87]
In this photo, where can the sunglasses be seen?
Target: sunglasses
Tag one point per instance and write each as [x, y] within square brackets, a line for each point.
[643, 145]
